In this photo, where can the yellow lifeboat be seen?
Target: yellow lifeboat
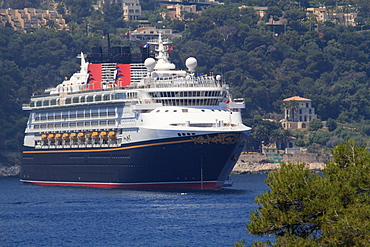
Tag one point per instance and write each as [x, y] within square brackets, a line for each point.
[81, 136]
[58, 136]
[51, 137]
[104, 135]
[73, 136]
[44, 137]
[89, 135]
[95, 135]
[112, 135]
[66, 136]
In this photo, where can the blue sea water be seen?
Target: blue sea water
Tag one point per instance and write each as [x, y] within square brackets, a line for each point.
[33, 215]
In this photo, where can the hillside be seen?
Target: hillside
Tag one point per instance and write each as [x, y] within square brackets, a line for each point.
[329, 65]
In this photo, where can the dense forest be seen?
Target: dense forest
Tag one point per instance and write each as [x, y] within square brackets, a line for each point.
[330, 65]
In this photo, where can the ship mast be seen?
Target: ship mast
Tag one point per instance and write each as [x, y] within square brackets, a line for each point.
[163, 47]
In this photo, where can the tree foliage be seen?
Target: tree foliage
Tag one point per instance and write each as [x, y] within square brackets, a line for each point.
[305, 209]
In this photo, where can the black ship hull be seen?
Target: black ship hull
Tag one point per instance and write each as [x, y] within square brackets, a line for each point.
[191, 162]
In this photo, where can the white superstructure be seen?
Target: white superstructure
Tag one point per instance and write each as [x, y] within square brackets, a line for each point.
[159, 102]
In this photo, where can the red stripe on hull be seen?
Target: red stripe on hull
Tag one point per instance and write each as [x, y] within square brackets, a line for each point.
[159, 186]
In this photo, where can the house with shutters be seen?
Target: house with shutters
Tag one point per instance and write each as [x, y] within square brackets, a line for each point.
[298, 112]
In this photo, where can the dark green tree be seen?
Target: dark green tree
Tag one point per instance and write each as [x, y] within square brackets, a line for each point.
[331, 124]
[305, 209]
[315, 124]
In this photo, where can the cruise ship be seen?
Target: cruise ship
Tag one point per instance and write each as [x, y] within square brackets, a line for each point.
[134, 121]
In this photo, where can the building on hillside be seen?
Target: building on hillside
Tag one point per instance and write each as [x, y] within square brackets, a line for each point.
[29, 19]
[177, 11]
[260, 11]
[199, 3]
[149, 33]
[340, 17]
[298, 112]
[131, 8]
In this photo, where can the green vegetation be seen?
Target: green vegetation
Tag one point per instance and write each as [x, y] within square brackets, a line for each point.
[329, 65]
[306, 209]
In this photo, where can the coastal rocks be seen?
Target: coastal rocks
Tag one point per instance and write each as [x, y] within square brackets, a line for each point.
[10, 164]
[9, 171]
[256, 163]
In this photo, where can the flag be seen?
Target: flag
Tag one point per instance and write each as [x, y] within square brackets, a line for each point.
[170, 48]
[146, 46]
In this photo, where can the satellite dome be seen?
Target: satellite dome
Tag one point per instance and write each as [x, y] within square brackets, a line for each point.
[149, 63]
[191, 63]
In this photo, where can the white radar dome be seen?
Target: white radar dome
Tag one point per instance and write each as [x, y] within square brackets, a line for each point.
[191, 63]
[149, 63]
[218, 77]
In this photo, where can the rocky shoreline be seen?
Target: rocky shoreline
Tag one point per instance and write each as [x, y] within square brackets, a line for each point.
[257, 163]
[248, 163]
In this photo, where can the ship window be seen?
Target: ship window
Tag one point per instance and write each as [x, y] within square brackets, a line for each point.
[53, 102]
[90, 98]
[32, 104]
[80, 124]
[50, 116]
[64, 125]
[102, 122]
[27, 157]
[68, 101]
[36, 126]
[72, 114]
[43, 126]
[82, 99]
[46, 102]
[94, 123]
[120, 156]
[80, 114]
[38, 103]
[87, 113]
[111, 122]
[50, 126]
[72, 124]
[58, 125]
[94, 113]
[98, 97]
[65, 115]
[120, 96]
[106, 97]
[111, 112]
[58, 115]
[87, 124]
[75, 99]
[98, 156]
[43, 116]
[103, 112]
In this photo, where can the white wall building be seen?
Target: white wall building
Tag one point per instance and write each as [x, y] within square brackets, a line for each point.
[298, 112]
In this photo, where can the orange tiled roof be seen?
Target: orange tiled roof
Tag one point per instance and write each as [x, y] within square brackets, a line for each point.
[142, 28]
[296, 98]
